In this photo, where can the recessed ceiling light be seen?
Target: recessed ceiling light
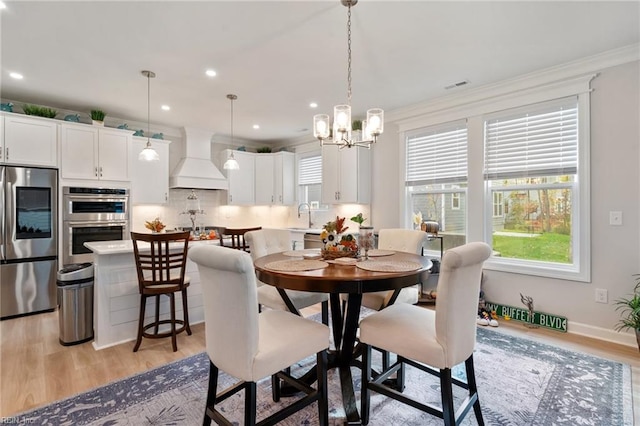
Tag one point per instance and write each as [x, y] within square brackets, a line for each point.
[313, 105]
[256, 126]
[211, 73]
[2, 5]
[16, 75]
[165, 107]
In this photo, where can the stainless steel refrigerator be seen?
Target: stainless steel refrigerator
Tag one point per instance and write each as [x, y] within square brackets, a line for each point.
[28, 240]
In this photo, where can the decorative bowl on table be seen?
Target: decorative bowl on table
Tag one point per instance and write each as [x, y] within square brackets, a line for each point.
[337, 244]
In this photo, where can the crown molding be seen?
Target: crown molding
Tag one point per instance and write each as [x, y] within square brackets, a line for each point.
[547, 76]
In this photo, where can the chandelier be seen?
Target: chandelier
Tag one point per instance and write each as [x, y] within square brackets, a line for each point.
[231, 163]
[343, 134]
[148, 153]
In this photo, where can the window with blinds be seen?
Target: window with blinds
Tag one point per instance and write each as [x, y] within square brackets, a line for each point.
[437, 155]
[310, 180]
[531, 166]
[310, 170]
[542, 141]
[436, 180]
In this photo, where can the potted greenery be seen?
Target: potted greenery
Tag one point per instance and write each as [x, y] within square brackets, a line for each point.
[97, 117]
[39, 111]
[263, 150]
[629, 308]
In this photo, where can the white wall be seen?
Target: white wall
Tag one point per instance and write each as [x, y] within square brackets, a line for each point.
[615, 186]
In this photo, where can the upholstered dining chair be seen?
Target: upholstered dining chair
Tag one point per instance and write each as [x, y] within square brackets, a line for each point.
[439, 340]
[236, 237]
[160, 265]
[268, 241]
[249, 345]
[396, 239]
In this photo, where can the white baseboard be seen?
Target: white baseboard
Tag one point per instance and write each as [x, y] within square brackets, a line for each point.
[608, 335]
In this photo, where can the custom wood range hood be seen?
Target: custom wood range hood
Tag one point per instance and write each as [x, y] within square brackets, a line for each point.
[195, 169]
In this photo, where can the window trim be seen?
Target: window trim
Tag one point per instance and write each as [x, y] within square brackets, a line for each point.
[473, 106]
[580, 270]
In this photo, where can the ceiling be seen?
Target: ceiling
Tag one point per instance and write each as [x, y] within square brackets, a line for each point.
[277, 57]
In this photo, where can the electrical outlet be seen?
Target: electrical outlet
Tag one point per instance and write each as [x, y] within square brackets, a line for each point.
[615, 218]
[601, 295]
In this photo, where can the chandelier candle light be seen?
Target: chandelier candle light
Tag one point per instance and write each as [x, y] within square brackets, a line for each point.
[231, 163]
[148, 153]
[342, 131]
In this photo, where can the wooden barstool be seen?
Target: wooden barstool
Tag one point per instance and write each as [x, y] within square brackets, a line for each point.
[237, 237]
[161, 265]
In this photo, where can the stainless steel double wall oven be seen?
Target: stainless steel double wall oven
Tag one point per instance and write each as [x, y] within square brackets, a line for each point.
[92, 214]
[28, 240]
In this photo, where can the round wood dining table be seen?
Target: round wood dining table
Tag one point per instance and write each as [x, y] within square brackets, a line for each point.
[336, 279]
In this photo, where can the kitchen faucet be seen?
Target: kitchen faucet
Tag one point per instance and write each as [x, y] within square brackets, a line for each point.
[309, 210]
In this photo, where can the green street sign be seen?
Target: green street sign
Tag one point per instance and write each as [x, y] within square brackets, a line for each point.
[541, 319]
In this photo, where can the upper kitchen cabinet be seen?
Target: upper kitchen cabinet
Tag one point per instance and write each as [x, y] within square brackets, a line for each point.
[275, 177]
[149, 179]
[31, 141]
[346, 175]
[285, 176]
[95, 153]
[241, 182]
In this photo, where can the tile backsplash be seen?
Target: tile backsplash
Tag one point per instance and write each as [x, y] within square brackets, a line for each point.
[217, 213]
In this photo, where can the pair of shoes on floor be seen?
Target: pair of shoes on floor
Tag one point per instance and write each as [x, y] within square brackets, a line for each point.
[485, 318]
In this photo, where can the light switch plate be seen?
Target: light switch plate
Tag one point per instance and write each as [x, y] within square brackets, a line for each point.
[615, 218]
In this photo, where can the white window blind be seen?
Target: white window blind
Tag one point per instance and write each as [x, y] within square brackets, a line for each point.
[540, 141]
[437, 155]
[310, 170]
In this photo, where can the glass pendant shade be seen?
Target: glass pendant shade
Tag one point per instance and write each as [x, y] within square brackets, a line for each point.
[148, 154]
[375, 122]
[321, 126]
[342, 118]
[231, 163]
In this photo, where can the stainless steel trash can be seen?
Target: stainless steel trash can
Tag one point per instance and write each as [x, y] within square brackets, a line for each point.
[75, 303]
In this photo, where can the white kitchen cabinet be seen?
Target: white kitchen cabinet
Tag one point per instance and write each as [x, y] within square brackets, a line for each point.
[149, 179]
[284, 174]
[241, 182]
[95, 153]
[346, 175]
[274, 179]
[31, 141]
[265, 179]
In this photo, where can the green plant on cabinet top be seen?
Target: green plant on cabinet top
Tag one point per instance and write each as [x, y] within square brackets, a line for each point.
[39, 111]
[97, 115]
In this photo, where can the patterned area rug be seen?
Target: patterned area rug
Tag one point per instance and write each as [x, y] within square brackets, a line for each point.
[520, 382]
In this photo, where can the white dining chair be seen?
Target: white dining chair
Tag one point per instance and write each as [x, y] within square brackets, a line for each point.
[396, 239]
[249, 345]
[438, 341]
[268, 241]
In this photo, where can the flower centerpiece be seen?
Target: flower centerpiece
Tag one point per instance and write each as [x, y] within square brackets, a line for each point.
[336, 242]
[154, 225]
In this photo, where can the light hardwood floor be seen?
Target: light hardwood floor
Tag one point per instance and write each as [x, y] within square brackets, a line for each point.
[36, 370]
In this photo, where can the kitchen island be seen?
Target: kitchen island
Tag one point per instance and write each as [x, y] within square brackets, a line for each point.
[116, 305]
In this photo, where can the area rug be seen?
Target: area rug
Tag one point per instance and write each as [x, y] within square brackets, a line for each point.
[521, 382]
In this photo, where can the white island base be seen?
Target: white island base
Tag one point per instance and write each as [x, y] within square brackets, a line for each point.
[116, 305]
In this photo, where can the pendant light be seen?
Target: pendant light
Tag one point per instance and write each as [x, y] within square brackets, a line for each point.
[231, 163]
[148, 153]
[342, 132]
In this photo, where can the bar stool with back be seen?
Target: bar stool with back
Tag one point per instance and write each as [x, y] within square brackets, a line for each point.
[161, 271]
[237, 237]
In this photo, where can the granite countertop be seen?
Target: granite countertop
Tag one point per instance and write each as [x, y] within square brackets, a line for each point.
[126, 246]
